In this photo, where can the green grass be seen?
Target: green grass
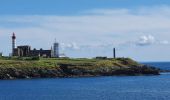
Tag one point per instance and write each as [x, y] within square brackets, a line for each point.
[23, 67]
[54, 62]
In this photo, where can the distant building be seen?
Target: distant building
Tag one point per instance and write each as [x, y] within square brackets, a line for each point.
[56, 49]
[22, 51]
[26, 51]
[101, 57]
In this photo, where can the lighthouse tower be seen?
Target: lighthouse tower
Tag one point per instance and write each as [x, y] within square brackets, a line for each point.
[56, 49]
[13, 43]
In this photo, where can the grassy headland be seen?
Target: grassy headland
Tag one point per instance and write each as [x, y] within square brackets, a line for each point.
[34, 67]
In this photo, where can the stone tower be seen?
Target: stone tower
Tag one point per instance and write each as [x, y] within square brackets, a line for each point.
[13, 43]
[114, 53]
[56, 49]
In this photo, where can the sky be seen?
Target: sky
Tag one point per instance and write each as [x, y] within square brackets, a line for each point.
[139, 29]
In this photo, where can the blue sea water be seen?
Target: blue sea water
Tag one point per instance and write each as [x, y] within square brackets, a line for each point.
[162, 65]
[94, 88]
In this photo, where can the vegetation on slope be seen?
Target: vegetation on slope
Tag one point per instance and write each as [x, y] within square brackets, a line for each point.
[35, 67]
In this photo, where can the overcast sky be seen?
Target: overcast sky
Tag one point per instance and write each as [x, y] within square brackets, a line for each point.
[139, 29]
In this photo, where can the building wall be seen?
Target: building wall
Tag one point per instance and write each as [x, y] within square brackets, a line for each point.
[41, 53]
[25, 51]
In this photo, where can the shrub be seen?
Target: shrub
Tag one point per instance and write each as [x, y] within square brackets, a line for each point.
[35, 58]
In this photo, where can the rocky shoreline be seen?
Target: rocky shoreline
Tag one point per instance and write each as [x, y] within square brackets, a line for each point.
[75, 69]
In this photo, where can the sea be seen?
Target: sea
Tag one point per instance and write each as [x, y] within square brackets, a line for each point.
[90, 88]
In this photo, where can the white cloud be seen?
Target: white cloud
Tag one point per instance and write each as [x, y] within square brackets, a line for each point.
[95, 22]
[164, 42]
[97, 28]
[146, 40]
[107, 12]
[69, 46]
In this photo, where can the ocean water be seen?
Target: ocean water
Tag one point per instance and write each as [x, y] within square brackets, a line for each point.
[91, 88]
[162, 65]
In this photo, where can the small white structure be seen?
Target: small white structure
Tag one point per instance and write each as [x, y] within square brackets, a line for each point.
[63, 55]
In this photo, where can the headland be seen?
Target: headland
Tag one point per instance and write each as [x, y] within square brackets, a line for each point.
[36, 67]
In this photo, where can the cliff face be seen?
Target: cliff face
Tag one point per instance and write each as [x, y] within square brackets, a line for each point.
[43, 68]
